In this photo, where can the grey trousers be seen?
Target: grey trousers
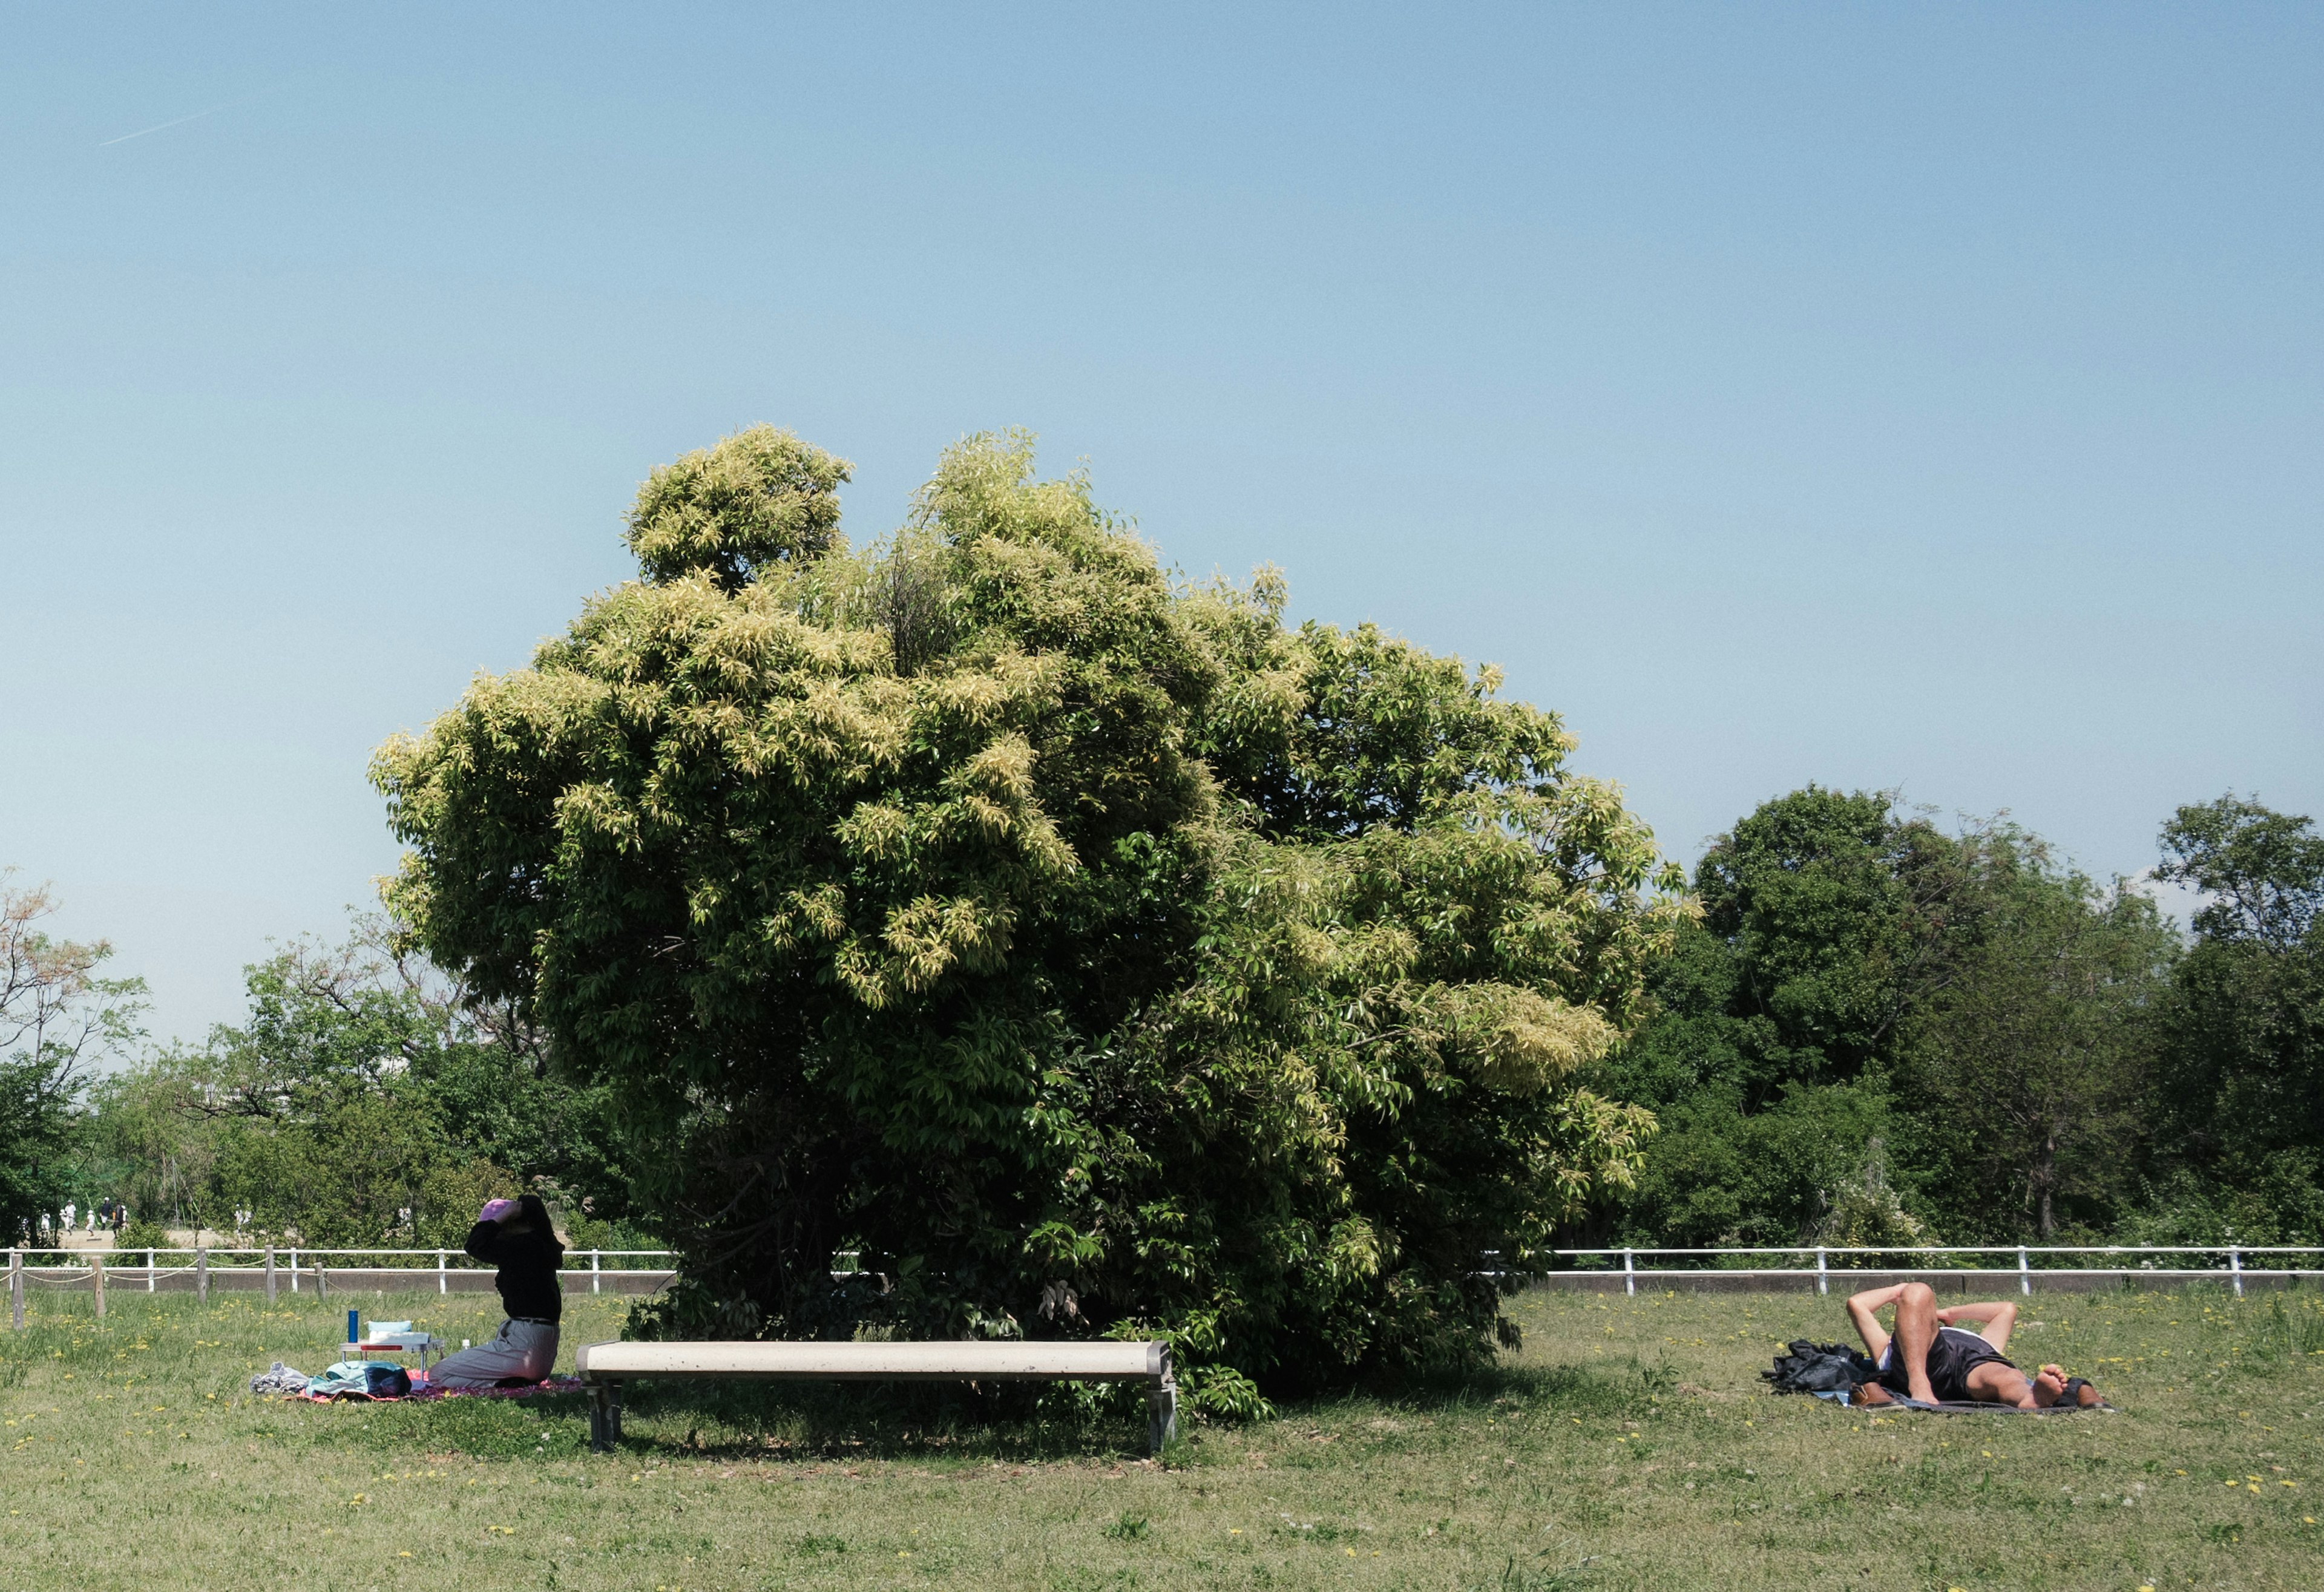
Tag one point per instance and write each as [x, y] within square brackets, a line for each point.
[522, 1348]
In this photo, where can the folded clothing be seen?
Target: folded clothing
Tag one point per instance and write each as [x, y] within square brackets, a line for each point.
[278, 1378]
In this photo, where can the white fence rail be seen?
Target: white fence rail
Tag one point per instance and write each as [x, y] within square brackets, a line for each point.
[272, 1268]
[2129, 1262]
[300, 1267]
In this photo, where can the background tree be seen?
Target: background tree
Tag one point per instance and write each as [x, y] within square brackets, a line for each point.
[2032, 1067]
[365, 1100]
[1780, 1017]
[58, 1014]
[2240, 1103]
[1092, 954]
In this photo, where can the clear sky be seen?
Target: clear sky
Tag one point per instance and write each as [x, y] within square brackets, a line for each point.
[1923, 397]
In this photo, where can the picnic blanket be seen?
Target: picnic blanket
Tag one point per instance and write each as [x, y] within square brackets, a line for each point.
[378, 1382]
[1832, 1372]
[546, 1385]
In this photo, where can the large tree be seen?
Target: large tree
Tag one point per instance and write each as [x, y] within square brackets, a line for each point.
[1091, 953]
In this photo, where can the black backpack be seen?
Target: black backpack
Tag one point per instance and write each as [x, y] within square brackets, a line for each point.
[1819, 1367]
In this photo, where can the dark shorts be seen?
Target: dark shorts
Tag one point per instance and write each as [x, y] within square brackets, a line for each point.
[1951, 1357]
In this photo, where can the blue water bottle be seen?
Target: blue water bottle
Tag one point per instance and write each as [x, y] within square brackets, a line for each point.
[352, 1338]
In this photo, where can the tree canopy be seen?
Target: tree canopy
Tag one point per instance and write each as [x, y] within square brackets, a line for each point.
[58, 1014]
[1090, 953]
[1827, 917]
[365, 1100]
[1881, 1033]
[2240, 1109]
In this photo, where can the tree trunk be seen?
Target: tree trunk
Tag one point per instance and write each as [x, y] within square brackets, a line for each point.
[2047, 1174]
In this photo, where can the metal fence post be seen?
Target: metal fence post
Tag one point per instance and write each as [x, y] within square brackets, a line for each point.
[1823, 1274]
[294, 1268]
[1629, 1274]
[96, 1279]
[2236, 1265]
[16, 1289]
[2025, 1273]
[270, 1277]
[149, 1271]
[321, 1290]
[202, 1273]
[443, 1281]
[596, 1276]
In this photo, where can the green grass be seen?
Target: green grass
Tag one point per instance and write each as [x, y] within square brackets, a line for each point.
[1627, 1446]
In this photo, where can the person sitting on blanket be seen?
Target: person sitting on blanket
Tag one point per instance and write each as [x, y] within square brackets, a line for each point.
[514, 1236]
[1930, 1360]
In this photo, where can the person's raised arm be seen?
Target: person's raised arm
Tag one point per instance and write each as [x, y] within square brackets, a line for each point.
[484, 1239]
[1864, 1310]
[1998, 1316]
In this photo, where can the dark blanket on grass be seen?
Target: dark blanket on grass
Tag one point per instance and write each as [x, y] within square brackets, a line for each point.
[1833, 1370]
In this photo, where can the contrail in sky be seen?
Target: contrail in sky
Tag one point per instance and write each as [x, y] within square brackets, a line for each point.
[180, 121]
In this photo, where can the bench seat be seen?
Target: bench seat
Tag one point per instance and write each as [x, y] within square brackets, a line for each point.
[603, 1369]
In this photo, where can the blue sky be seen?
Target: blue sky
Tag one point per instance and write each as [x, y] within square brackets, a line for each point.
[1919, 397]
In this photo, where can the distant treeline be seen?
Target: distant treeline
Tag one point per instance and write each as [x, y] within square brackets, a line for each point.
[1878, 1032]
[365, 1101]
[1882, 1033]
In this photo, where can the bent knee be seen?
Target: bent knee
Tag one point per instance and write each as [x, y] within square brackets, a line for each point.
[1917, 1293]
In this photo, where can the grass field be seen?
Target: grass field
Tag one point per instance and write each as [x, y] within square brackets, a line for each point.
[1627, 1446]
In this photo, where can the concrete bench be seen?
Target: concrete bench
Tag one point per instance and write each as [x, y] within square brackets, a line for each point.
[603, 1369]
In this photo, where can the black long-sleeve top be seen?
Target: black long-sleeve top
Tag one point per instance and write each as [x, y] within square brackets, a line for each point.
[527, 1274]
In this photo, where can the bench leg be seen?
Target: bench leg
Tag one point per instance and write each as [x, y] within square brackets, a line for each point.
[605, 1421]
[1162, 1413]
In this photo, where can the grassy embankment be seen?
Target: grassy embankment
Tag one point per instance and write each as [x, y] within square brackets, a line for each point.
[1628, 1445]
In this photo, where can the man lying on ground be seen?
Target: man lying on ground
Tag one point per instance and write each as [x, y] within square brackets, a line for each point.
[1930, 1360]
